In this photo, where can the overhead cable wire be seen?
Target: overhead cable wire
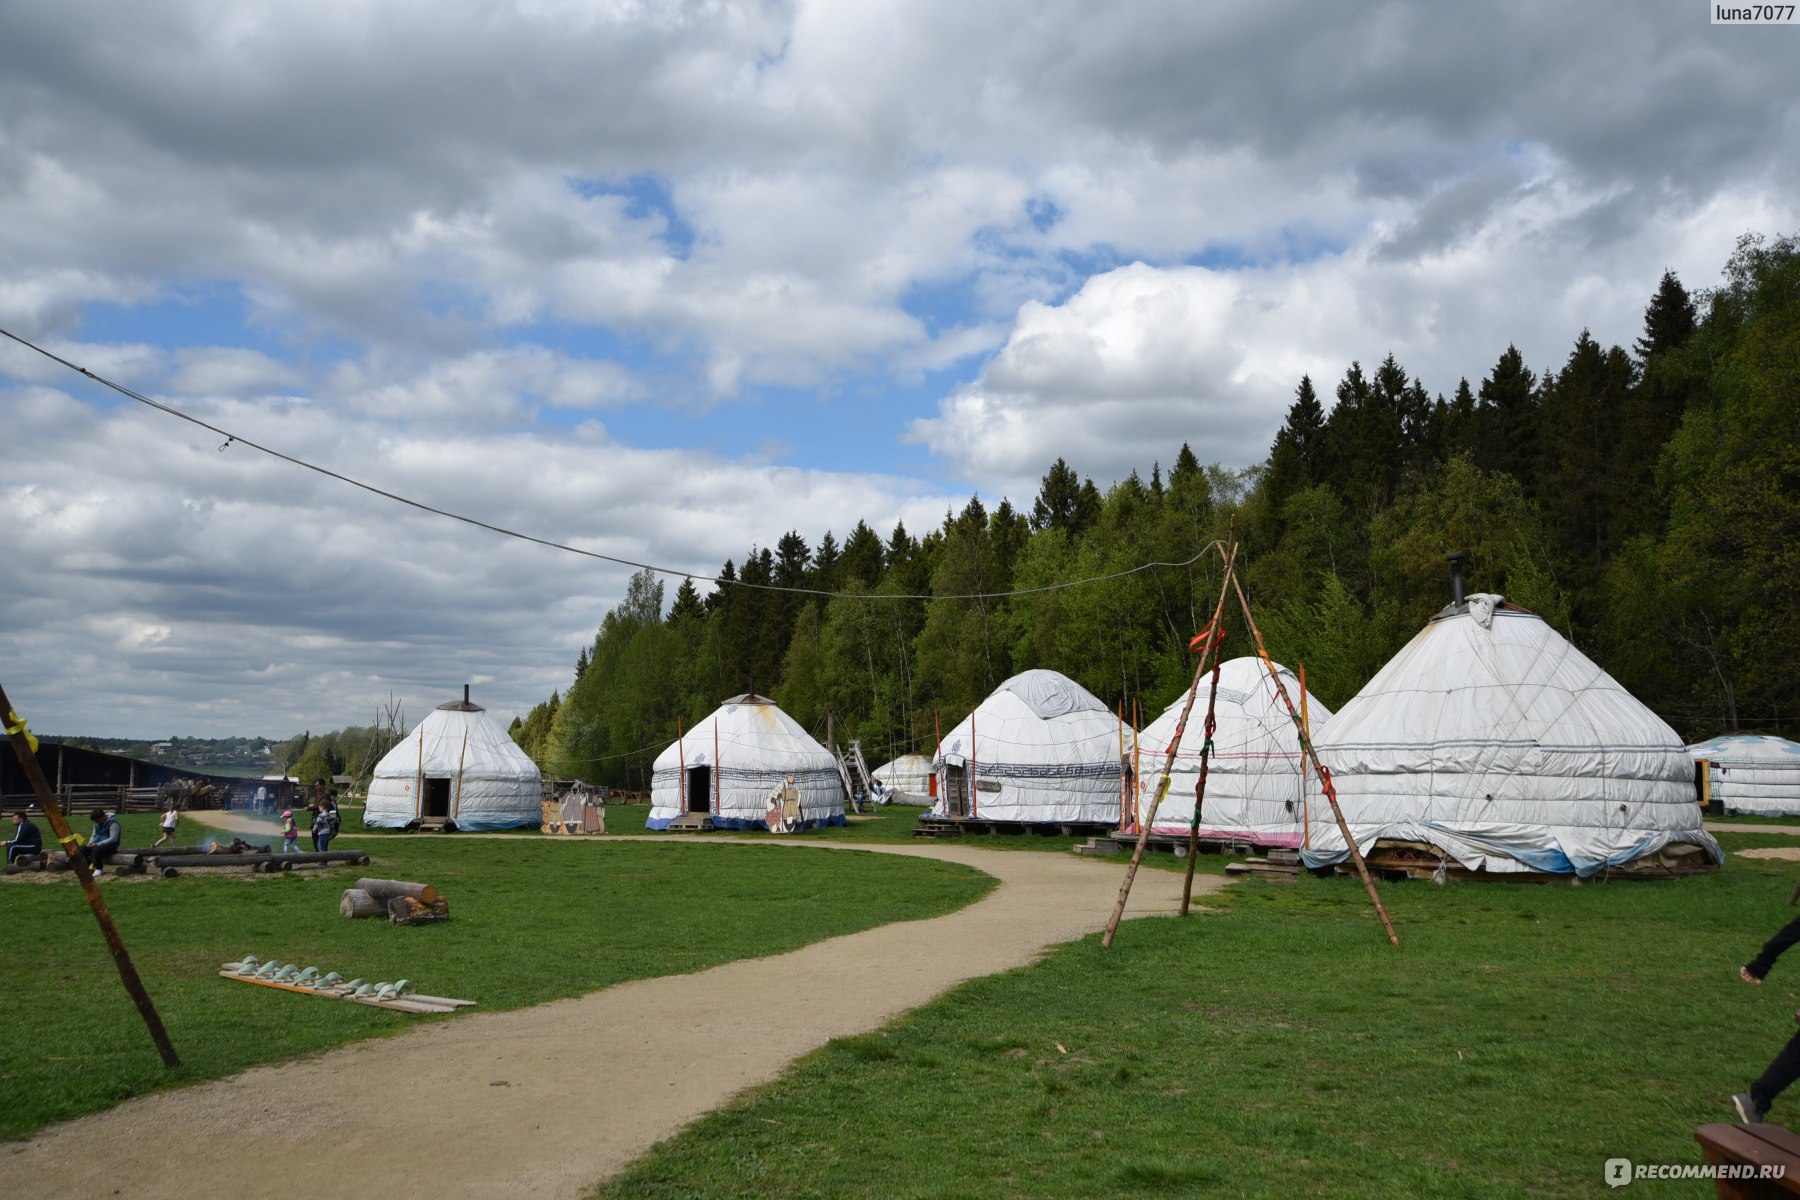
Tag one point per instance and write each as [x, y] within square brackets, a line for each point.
[239, 439]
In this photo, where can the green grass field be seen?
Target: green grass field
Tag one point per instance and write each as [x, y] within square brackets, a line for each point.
[1276, 1045]
[533, 919]
[1521, 1036]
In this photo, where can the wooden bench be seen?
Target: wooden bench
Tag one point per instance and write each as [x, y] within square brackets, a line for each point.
[1755, 1146]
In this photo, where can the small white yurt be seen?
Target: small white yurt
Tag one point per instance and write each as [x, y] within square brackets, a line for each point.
[1753, 773]
[1257, 789]
[907, 780]
[1492, 740]
[726, 766]
[1041, 748]
[459, 769]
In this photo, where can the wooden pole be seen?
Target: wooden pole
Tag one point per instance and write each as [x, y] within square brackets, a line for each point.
[937, 754]
[1211, 727]
[461, 760]
[419, 782]
[1209, 643]
[974, 802]
[22, 750]
[1137, 783]
[1306, 745]
[1305, 805]
[1122, 772]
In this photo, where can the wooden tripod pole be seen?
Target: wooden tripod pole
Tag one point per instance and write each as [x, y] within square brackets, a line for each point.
[1209, 646]
[1211, 726]
[28, 762]
[1306, 745]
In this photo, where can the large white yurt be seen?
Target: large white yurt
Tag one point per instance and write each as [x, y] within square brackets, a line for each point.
[1041, 748]
[1492, 740]
[1753, 773]
[1256, 787]
[727, 764]
[907, 779]
[459, 768]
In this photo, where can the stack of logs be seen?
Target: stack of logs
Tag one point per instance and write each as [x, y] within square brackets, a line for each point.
[401, 902]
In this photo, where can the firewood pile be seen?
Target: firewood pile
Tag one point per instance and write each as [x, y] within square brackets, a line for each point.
[401, 902]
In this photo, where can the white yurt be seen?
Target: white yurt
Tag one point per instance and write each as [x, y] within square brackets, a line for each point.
[1492, 740]
[907, 779]
[1753, 773]
[457, 768]
[727, 764]
[1256, 787]
[1041, 748]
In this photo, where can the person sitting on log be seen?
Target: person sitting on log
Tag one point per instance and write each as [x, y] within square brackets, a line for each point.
[26, 838]
[104, 843]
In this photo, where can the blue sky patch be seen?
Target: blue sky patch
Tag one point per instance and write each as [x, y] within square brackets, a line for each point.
[646, 196]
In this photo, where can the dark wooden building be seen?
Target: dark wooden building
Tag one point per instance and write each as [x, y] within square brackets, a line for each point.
[82, 778]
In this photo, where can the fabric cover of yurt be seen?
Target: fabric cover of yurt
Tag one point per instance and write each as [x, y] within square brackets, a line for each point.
[1753, 773]
[1493, 739]
[746, 747]
[910, 773]
[1040, 748]
[1255, 789]
[467, 758]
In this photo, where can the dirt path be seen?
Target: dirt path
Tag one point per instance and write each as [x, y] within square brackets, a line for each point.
[549, 1101]
[1712, 827]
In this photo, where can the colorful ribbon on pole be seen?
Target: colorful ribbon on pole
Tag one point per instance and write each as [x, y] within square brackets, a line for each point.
[16, 724]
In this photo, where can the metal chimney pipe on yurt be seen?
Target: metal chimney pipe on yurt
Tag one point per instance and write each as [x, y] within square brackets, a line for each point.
[1459, 562]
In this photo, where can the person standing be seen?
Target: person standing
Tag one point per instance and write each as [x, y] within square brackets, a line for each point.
[169, 820]
[26, 838]
[1752, 1106]
[290, 833]
[325, 826]
[105, 842]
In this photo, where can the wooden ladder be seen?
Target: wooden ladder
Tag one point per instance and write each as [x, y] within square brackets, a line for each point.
[860, 764]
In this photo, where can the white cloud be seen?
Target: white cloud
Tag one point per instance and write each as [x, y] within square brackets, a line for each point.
[1143, 358]
[455, 229]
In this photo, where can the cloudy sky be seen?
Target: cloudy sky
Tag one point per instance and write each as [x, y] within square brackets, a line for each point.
[664, 280]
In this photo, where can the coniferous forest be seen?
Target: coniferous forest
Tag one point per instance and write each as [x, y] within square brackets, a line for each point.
[1644, 499]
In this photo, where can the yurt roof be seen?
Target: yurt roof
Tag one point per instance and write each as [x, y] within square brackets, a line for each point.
[1452, 686]
[1245, 693]
[749, 724]
[1050, 694]
[438, 741]
[1759, 749]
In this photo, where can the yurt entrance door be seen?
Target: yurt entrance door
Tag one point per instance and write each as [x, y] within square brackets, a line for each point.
[437, 800]
[699, 789]
[956, 790]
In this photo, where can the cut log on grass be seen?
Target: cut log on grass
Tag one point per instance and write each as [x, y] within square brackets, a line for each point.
[254, 862]
[404, 910]
[159, 851]
[386, 889]
[357, 903]
[357, 857]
